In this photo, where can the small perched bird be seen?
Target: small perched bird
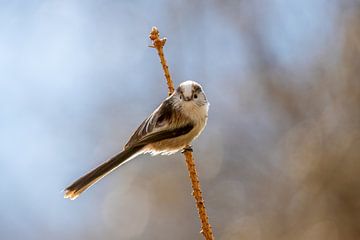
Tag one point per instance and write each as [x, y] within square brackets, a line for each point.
[178, 120]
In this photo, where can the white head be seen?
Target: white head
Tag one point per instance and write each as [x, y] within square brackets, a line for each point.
[190, 92]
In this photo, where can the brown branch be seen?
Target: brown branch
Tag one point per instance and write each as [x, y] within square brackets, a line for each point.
[195, 183]
[205, 225]
[159, 44]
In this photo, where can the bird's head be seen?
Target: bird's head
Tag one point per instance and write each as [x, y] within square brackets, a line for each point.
[191, 92]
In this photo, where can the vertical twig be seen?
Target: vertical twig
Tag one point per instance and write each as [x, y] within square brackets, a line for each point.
[195, 183]
[159, 44]
[205, 225]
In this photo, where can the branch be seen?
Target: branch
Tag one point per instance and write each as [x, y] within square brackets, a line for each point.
[159, 44]
[195, 183]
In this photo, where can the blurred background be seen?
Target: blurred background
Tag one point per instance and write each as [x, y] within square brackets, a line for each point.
[279, 158]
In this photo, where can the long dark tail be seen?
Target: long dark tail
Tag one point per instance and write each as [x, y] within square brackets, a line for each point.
[89, 179]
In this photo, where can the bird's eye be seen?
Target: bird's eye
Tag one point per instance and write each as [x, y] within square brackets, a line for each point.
[195, 96]
[180, 97]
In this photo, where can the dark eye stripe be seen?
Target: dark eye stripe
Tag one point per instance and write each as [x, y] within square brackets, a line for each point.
[178, 89]
[196, 88]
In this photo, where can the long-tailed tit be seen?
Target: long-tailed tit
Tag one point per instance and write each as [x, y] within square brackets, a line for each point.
[178, 120]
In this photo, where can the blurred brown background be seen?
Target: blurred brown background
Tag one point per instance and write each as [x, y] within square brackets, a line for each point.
[279, 158]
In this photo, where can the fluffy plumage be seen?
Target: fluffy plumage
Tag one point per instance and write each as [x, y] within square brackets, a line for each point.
[178, 120]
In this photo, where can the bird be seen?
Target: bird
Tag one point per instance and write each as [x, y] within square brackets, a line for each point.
[171, 127]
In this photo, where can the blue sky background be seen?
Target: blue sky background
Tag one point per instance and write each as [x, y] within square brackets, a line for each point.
[77, 77]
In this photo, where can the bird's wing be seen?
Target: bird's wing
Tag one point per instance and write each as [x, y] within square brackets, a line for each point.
[157, 126]
[164, 134]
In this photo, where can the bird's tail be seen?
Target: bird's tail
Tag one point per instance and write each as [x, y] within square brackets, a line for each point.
[89, 179]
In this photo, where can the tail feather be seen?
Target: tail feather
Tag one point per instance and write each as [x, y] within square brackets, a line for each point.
[89, 179]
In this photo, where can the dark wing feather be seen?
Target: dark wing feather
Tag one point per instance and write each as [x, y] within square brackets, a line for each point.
[164, 134]
[159, 118]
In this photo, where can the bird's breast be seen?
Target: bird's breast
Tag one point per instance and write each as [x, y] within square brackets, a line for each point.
[198, 117]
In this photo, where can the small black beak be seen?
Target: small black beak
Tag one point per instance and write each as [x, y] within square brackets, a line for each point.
[187, 98]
